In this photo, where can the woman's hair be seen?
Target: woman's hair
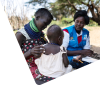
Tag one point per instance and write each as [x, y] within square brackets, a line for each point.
[43, 12]
[82, 13]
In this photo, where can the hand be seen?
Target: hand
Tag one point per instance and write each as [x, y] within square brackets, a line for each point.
[78, 58]
[37, 51]
[86, 52]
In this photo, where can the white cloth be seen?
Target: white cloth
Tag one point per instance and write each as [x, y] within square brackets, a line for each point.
[24, 33]
[52, 65]
[66, 40]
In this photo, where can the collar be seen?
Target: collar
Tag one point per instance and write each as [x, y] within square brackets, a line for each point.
[79, 34]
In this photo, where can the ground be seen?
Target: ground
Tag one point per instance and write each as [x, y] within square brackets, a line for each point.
[94, 38]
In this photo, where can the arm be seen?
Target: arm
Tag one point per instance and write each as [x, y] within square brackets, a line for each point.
[36, 51]
[65, 39]
[85, 52]
[20, 38]
[65, 60]
[73, 53]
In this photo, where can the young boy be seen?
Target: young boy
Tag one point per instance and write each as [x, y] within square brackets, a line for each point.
[32, 34]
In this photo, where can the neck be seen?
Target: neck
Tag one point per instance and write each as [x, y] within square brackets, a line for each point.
[33, 25]
[53, 43]
[78, 32]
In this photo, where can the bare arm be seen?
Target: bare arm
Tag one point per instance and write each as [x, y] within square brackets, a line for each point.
[85, 52]
[20, 37]
[36, 51]
[65, 60]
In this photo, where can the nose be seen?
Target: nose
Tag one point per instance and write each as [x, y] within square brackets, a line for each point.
[78, 23]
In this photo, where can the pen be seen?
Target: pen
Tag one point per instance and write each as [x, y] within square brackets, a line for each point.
[80, 61]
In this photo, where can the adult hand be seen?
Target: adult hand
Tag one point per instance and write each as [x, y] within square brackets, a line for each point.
[37, 51]
[86, 52]
[77, 58]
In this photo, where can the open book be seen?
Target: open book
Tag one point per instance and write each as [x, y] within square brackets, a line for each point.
[87, 59]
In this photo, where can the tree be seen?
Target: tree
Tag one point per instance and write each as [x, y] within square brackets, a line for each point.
[69, 7]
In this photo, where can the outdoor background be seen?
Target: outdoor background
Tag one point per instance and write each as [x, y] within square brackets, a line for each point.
[20, 12]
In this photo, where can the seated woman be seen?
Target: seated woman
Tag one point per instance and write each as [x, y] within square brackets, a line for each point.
[76, 39]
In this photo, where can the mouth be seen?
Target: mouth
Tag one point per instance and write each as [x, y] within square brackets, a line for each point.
[78, 27]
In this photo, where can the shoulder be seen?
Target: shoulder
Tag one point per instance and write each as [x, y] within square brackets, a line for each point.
[24, 33]
[85, 30]
[68, 29]
[20, 36]
[51, 49]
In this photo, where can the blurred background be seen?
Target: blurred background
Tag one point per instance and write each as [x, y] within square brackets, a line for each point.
[20, 12]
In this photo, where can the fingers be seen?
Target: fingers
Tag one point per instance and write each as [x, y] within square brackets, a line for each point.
[37, 50]
[79, 57]
[37, 55]
[75, 60]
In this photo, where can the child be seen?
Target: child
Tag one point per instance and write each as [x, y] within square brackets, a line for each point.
[54, 62]
[32, 34]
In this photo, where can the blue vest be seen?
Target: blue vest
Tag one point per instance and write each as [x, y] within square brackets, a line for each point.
[73, 41]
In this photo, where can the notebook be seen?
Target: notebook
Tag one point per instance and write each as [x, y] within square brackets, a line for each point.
[87, 59]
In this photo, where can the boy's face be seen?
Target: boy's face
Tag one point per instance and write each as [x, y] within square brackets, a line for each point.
[42, 23]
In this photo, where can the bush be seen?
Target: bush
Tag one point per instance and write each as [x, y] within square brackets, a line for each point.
[92, 23]
[64, 22]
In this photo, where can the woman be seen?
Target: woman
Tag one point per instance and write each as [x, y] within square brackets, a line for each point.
[31, 35]
[77, 40]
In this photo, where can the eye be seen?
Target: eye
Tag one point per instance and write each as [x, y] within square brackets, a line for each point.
[77, 21]
[82, 22]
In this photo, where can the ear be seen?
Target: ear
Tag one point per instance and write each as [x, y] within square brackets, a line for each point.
[59, 38]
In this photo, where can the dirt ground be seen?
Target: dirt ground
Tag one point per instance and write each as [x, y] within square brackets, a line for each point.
[94, 38]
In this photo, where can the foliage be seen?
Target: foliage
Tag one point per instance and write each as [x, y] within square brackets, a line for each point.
[63, 22]
[66, 8]
[92, 23]
[16, 22]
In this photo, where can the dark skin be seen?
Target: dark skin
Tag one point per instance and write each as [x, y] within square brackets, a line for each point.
[79, 24]
[54, 49]
[41, 23]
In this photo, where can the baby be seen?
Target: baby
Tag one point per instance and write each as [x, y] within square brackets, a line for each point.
[54, 62]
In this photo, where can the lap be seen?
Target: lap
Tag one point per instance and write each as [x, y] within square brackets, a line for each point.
[78, 65]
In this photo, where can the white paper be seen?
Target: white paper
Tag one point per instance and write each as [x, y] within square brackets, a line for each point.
[87, 59]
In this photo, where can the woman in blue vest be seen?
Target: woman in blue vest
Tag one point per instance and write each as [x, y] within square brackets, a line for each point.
[76, 39]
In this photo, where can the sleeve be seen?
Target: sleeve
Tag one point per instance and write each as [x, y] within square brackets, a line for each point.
[65, 39]
[87, 46]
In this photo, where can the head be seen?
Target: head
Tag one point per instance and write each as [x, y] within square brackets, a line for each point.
[55, 34]
[81, 19]
[42, 18]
